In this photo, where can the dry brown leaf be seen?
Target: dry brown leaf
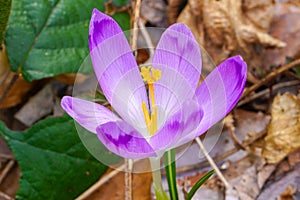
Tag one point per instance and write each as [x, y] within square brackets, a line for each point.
[286, 27]
[283, 135]
[114, 188]
[10, 95]
[231, 26]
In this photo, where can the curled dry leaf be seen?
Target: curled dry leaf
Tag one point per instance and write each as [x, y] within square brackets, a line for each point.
[283, 135]
[11, 94]
[231, 25]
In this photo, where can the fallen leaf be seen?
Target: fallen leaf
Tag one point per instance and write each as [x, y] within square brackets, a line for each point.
[283, 135]
[11, 94]
[281, 184]
[114, 188]
[231, 25]
[38, 106]
[286, 27]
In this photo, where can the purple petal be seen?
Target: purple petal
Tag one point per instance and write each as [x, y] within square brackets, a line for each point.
[221, 90]
[88, 114]
[114, 64]
[178, 57]
[177, 126]
[123, 140]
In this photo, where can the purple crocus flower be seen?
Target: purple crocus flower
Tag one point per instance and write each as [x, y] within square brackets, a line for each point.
[162, 106]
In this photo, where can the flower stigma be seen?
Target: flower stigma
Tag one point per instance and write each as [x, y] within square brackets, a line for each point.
[150, 76]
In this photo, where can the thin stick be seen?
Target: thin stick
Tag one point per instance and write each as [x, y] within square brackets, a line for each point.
[100, 182]
[222, 156]
[147, 38]
[212, 163]
[5, 196]
[134, 34]
[267, 91]
[5, 171]
[7, 157]
[129, 163]
[270, 76]
[128, 179]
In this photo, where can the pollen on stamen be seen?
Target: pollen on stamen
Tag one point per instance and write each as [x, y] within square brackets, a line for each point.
[150, 75]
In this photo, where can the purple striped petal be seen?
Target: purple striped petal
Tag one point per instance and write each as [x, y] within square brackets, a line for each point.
[123, 140]
[177, 126]
[114, 64]
[88, 114]
[220, 91]
[178, 57]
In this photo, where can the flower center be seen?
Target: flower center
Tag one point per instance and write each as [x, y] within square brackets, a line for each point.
[150, 76]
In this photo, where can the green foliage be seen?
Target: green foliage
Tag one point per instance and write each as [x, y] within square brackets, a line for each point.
[198, 184]
[45, 38]
[4, 13]
[53, 161]
[169, 159]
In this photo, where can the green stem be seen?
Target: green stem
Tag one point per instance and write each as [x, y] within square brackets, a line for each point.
[170, 167]
[156, 175]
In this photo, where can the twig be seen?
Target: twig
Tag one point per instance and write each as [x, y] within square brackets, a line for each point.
[147, 38]
[100, 182]
[267, 91]
[5, 196]
[128, 179]
[270, 76]
[7, 157]
[222, 156]
[5, 171]
[212, 163]
[134, 32]
[134, 36]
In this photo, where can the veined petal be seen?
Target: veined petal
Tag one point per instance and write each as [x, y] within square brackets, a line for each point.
[88, 114]
[220, 91]
[177, 126]
[123, 140]
[178, 57]
[113, 60]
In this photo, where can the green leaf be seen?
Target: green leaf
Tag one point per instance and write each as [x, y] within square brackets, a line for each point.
[170, 168]
[45, 38]
[54, 163]
[198, 184]
[4, 13]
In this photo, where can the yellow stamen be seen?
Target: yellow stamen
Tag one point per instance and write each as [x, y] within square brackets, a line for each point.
[153, 127]
[150, 76]
[151, 93]
[146, 114]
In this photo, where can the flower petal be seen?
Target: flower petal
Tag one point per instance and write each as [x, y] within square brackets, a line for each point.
[88, 114]
[178, 57]
[220, 91]
[177, 126]
[113, 60]
[123, 140]
[179, 50]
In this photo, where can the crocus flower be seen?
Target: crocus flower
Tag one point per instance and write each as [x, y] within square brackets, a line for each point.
[160, 106]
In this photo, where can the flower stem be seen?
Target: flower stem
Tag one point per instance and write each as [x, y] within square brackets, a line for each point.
[156, 175]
